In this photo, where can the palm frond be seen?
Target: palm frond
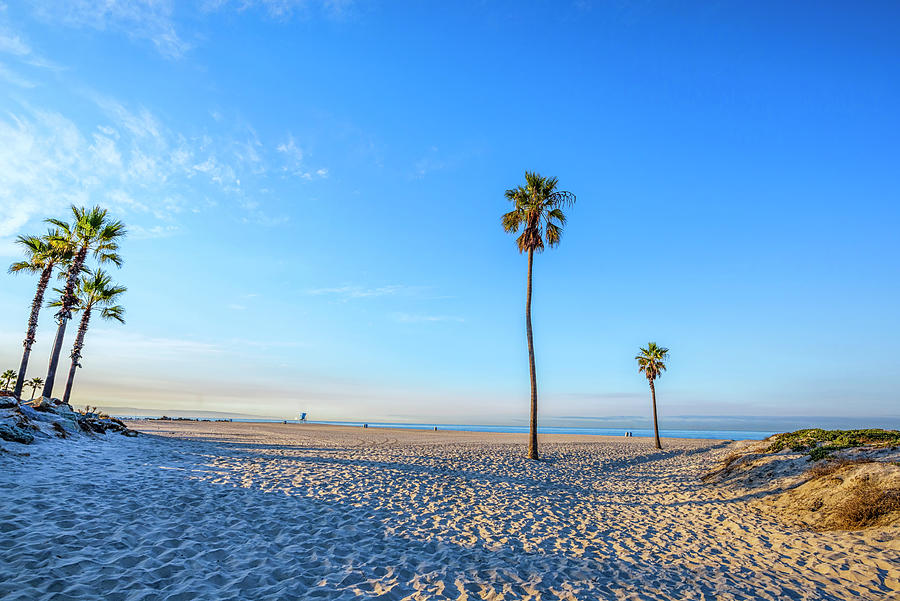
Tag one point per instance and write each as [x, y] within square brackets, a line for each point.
[20, 266]
[557, 215]
[116, 313]
[554, 233]
[108, 257]
[113, 230]
[61, 225]
[512, 221]
[561, 198]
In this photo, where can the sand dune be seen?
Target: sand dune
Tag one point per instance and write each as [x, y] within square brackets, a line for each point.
[271, 511]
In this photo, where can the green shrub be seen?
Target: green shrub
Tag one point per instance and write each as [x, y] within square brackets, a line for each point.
[821, 443]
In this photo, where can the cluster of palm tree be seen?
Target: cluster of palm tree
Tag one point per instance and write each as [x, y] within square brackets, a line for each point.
[65, 250]
[10, 376]
[538, 219]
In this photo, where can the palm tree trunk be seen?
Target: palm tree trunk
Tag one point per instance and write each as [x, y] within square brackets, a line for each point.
[32, 328]
[69, 380]
[655, 424]
[33, 389]
[54, 357]
[76, 352]
[63, 315]
[20, 381]
[532, 440]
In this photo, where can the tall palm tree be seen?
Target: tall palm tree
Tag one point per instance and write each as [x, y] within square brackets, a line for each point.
[95, 291]
[91, 232]
[538, 213]
[35, 383]
[7, 377]
[652, 362]
[43, 254]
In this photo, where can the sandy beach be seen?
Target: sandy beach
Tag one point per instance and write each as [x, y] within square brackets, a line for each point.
[202, 510]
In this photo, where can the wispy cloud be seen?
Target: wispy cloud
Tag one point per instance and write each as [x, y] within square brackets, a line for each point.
[238, 343]
[12, 43]
[290, 149]
[123, 342]
[128, 163]
[293, 155]
[15, 45]
[157, 22]
[595, 396]
[139, 232]
[430, 161]
[128, 160]
[126, 157]
[419, 318]
[284, 9]
[434, 159]
[350, 291]
[119, 342]
[248, 151]
[139, 122]
[10, 76]
[146, 20]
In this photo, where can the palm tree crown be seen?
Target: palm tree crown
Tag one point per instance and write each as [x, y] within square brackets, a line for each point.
[652, 361]
[538, 212]
[41, 252]
[96, 290]
[91, 232]
[35, 383]
[7, 376]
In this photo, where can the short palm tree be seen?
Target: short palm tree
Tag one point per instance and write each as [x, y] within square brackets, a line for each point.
[43, 254]
[91, 232]
[35, 383]
[7, 377]
[95, 292]
[652, 362]
[538, 218]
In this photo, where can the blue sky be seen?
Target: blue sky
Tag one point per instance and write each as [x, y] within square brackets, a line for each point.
[313, 191]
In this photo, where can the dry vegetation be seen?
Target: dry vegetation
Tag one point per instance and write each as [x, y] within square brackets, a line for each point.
[866, 505]
[859, 494]
[827, 468]
[89, 411]
[854, 482]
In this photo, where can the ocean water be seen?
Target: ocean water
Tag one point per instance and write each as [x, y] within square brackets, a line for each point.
[637, 432]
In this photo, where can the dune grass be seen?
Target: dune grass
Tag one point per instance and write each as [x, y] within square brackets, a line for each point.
[866, 506]
[827, 468]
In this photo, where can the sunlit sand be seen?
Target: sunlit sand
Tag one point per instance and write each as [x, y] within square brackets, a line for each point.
[200, 510]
